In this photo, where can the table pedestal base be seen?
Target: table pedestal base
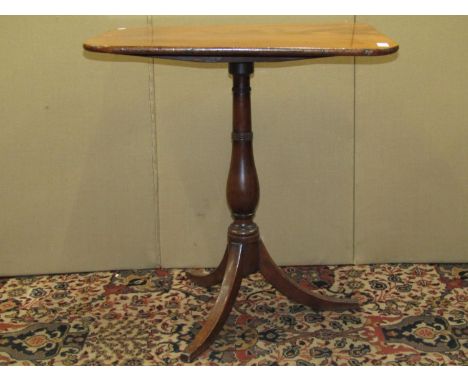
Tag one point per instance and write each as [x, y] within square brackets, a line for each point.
[243, 257]
[245, 253]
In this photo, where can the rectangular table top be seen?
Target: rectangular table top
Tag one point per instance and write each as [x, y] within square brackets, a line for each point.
[287, 41]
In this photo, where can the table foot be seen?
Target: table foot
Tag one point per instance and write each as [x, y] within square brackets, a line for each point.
[209, 279]
[280, 281]
[223, 305]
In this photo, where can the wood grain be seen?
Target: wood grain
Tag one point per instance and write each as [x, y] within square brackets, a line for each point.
[222, 307]
[269, 41]
[281, 281]
[246, 253]
[237, 45]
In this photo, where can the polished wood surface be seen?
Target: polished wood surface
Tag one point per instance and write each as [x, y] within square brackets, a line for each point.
[246, 253]
[241, 46]
[223, 305]
[209, 279]
[267, 42]
[276, 277]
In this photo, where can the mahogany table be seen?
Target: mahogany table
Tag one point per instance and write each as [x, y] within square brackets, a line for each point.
[241, 46]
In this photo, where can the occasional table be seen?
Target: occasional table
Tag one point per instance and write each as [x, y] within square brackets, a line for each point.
[241, 46]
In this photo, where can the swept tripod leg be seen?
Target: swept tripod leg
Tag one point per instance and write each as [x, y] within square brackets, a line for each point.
[276, 277]
[222, 307]
[209, 279]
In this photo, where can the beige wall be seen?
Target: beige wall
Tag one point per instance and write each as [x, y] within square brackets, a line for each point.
[76, 174]
[114, 162]
[412, 144]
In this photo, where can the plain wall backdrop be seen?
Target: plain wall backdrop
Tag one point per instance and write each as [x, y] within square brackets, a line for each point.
[113, 162]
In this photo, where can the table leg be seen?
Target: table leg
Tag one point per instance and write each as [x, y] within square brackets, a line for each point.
[222, 307]
[213, 278]
[246, 253]
[280, 281]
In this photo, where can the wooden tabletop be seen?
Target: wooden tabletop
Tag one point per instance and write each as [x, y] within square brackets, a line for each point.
[252, 42]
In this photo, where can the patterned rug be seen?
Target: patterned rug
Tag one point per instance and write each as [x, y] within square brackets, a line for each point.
[412, 314]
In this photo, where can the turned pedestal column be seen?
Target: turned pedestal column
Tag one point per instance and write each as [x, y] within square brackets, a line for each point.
[241, 46]
[245, 252]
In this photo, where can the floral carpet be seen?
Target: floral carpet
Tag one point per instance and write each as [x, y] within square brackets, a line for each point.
[412, 314]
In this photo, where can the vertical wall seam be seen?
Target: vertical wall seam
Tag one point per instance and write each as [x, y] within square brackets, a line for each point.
[354, 155]
[154, 150]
